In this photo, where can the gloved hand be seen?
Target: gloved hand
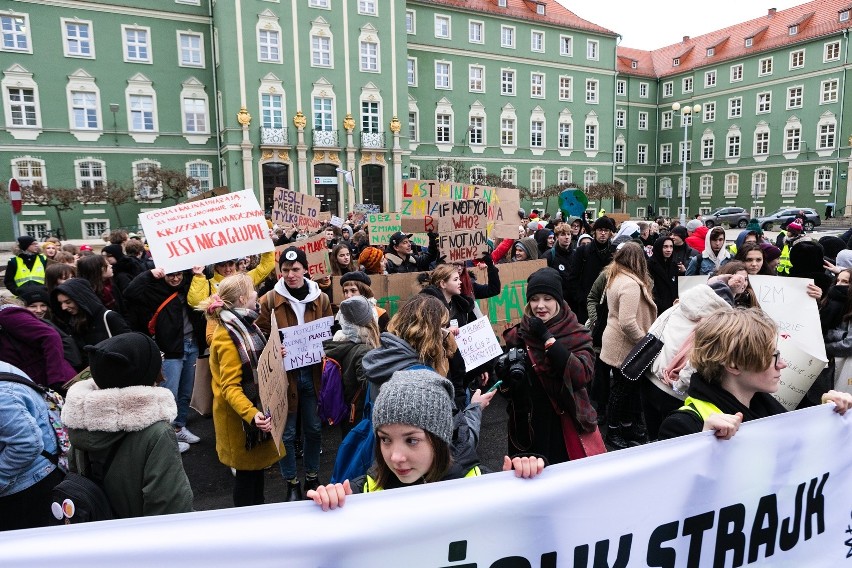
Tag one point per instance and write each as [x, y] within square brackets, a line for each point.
[537, 328]
[433, 236]
[486, 259]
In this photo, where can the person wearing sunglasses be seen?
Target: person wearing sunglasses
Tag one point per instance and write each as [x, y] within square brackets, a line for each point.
[738, 367]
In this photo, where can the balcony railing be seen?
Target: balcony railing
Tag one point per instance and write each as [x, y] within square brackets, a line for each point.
[372, 139]
[325, 139]
[274, 136]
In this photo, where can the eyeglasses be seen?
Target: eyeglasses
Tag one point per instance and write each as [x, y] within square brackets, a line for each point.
[777, 357]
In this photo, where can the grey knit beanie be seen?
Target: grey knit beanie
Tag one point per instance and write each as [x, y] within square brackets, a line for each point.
[357, 310]
[420, 398]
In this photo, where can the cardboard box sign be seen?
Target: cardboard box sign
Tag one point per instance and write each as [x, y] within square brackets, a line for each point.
[382, 226]
[316, 251]
[298, 209]
[503, 311]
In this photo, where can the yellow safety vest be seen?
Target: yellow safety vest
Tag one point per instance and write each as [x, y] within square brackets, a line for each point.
[784, 264]
[702, 408]
[24, 274]
[372, 486]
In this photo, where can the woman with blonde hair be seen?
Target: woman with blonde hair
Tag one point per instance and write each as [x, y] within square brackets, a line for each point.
[243, 440]
[631, 312]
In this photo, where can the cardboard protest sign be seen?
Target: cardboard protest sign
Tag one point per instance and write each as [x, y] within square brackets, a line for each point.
[206, 231]
[382, 226]
[272, 383]
[787, 302]
[316, 251]
[799, 375]
[507, 308]
[461, 227]
[336, 221]
[298, 209]
[304, 342]
[477, 343]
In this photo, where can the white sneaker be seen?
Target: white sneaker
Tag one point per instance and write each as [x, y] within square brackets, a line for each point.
[183, 446]
[184, 435]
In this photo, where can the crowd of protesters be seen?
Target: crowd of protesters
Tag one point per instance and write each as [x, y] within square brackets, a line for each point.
[125, 342]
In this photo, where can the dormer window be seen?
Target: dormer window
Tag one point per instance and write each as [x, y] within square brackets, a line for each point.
[749, 41]
[634, 64]
[540, 10]
[711, 51]
[501, 3]
[793, 30]
[675, 61]
[843, 16]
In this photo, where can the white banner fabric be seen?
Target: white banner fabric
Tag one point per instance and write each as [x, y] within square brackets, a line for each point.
[778, 493]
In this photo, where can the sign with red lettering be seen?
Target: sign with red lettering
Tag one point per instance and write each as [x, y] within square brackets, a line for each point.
[316, 251]
[204, 232]
[462, 227]
[292, 208]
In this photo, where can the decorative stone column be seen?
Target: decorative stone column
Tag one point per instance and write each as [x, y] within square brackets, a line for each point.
[244, 118]
[351, 164]
[395, 127]
[299, 121]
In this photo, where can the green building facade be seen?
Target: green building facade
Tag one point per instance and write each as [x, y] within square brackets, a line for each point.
[258, 94]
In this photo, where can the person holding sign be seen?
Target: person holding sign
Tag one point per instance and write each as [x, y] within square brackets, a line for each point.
[296, 300]
[545, 374]
[413, 421]
[201, 287]
[738, 367]
[401, 259]
[242, 428]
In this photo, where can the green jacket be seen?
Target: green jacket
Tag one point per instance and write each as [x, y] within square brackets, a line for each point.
[146, 476]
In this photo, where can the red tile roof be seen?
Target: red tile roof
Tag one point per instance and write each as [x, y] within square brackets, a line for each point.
[815, 19]
[555, 13]
[643, 59]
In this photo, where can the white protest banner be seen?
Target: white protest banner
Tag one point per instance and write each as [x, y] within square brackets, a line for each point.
[787, 302]
[272, 384]
[304, 342]
[777, 494]
[477, 343]
[800, 373]
[295, 208]
[203, 232]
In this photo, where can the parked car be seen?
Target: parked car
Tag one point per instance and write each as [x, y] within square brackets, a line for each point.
[783, 216]
[731, 216]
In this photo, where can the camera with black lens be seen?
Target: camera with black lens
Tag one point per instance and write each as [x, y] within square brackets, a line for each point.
[511, 365]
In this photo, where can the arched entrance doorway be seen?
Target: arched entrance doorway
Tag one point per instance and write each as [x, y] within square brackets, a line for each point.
[275, 174]
[325, 187]
[372, 185]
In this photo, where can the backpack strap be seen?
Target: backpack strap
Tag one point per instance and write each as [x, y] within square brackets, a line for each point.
[152, 323]
[99, 470]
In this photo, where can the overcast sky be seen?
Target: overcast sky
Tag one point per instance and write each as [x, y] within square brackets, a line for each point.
[651, 25]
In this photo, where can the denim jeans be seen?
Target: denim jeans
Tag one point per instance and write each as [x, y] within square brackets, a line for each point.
[311, 428]
[180, 377]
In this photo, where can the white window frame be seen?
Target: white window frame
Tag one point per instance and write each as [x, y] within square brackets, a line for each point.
[826, 127]
[182, 50]
[443, 19]
[82, 181]
[826, 180]
[827, 94]
[368, 7]
[593, 50]
[687, 84]
[666, 153]
[81, 82]
[444, 142]
[87, 233]
[642, 120]
[566, 45]
[148, 195]
[621, 87]
[763, 102]
[642, 154]
[708, 148]
[411, 22]
[705, 186]
[592, 91]
[735, 107]
[443, 74]
[368, 40]
[27, 36]
[508, 82]
[668, 89]
[566, 91]
[272, 113]
[508, 132]
[26, 177]
[72, 45]
[759, 182]
[789, 182]
[762, 138]
[205, 183]
[642, 190]
[537, 81]
[193, 132]
[709, 111]
[508, 36]
[564, 176]
[795, 96]
[473, 25]
[476, 84]
[620, 118]
[710, 79]
[476, 129]
[127, 45]
[764, 66]
[322, 44]
[792, 137]
[736, 73]
[269, 51]
[797, 59]
[733, 144]
[666, 120]
[509, 175]
[665, 192]
[831, 51]
[18, 78]
[565, 133]
[643, 90]
[140, 86]
[411, 71]
[591, 135]
[540, 46]
[536, 180]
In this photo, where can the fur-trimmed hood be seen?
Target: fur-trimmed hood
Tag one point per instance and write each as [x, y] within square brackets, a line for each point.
[128, 409]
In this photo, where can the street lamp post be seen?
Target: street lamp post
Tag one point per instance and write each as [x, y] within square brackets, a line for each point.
[685, 111]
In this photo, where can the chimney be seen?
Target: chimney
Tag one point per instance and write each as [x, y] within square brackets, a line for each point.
[685, 39]
[770, 13]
